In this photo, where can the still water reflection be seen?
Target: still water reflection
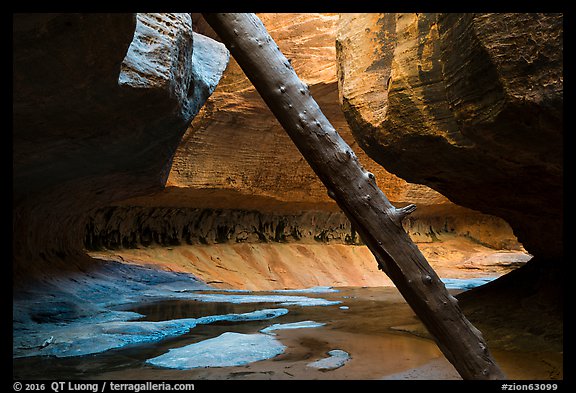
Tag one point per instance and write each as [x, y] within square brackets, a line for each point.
[373, 325]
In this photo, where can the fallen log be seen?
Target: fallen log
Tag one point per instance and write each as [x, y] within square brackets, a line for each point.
[377, 221]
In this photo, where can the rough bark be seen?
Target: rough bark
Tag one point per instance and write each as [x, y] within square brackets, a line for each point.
[356, 192]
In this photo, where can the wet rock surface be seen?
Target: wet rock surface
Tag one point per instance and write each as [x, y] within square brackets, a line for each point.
[336, 359]
[228, 349]
[81, 299]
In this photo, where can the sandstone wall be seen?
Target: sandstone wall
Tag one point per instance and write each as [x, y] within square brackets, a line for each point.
[236, 155]
[101, 126]
[237, 169]
[100, 104]
[468, 104]
[94, 151]
[118, 227]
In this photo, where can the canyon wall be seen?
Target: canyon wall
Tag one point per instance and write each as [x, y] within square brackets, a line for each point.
[117, 227]
[236, 175]
[472, 106]
[100, 104]
[469, 104]
[236, 155]
[111, 158]
[123, 142]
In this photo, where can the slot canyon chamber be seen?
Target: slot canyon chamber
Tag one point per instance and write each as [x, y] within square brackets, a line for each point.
[137, 139]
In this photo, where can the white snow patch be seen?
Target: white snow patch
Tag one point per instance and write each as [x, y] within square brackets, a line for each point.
[294, 325]
[336, 360]
[228, 349]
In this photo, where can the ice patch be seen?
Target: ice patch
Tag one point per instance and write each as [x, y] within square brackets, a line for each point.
[283, 300]
[336, 360]
[257, 315]
[86, 338]
[343, 307]
[294, 325]
[466, 283]
[308, 290]
[227, 350]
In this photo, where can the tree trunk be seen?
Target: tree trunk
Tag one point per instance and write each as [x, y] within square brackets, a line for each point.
[377, 221]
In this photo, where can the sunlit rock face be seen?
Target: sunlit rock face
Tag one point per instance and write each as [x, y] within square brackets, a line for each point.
[235, 157]
[468, 104]
[471, 105]
[100, 104]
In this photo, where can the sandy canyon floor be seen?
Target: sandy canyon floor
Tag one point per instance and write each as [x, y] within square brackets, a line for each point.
[345, 320]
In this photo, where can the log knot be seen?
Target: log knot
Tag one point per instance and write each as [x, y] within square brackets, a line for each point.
[398, 215]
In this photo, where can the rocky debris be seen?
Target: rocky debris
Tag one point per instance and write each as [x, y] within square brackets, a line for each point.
[468, 104]
[108, 129]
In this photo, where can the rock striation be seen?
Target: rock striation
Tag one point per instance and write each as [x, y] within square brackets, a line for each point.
[236, 155]
[236, 160]
[100, 104]
[117, 227]
[132, 227]
[469, 104]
